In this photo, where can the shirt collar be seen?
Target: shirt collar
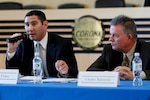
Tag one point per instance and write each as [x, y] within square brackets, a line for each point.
[43, 42]
[131, 52]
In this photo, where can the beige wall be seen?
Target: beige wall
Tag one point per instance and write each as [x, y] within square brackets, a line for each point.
[138, 3]
[85, 60]
[2, 61]
[55, 3]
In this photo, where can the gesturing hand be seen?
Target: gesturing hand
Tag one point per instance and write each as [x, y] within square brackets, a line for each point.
[61, 67]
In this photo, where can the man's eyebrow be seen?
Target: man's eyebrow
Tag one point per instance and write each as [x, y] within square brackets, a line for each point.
[33, 21]
[30, 22]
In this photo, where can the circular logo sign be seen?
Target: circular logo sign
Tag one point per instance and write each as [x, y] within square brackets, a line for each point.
[88, 32]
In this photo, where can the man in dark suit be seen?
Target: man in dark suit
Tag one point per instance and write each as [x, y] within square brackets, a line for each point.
[123, 41]
[59, 56]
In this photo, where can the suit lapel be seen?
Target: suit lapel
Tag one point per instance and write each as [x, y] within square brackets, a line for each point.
[51, 53]
[138, 47]
[118, 58]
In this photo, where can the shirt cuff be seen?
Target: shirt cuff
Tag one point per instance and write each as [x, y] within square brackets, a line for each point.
[59, 75]
[143, 75]
[10, 55]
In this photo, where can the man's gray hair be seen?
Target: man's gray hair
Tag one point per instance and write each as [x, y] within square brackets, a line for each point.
[128, 24]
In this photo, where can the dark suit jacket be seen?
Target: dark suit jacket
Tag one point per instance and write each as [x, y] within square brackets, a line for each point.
[111, 58]
[58, 48]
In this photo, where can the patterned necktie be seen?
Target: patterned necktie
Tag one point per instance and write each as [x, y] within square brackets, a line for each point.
[125, 61]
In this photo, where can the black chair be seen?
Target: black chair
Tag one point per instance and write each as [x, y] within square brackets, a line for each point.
[147, 3]
[70, 6]
[34, 7]
[109, 3]
[10, 5]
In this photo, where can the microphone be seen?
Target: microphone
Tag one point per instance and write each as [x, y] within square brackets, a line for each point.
[24, 36]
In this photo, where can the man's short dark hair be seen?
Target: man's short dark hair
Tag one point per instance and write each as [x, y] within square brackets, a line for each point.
[38, 13]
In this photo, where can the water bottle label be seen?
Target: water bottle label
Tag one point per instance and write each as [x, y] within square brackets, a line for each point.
[37, 68]
[37, 65]
[137, 69]
[137, 73]
[137, 66]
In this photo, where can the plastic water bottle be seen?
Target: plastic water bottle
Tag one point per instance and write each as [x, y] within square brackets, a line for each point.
[37, 65]
[137, 70]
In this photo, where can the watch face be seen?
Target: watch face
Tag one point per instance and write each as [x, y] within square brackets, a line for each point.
[88, 32]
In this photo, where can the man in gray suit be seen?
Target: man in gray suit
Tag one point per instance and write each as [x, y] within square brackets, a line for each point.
[123, 41]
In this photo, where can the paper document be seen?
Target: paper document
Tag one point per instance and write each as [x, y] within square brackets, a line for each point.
[62, 80]
[27, 78]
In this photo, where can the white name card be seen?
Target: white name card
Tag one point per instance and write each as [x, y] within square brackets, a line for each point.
[98, 79]
[9, 76]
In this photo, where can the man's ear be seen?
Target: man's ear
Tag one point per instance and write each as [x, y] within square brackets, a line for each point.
[130, 36]
[45, 23]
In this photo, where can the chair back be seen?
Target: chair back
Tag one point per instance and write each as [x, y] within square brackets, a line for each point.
[109, 3]
[10, 5]
[70, 5]
[147, 3]
[34, 7]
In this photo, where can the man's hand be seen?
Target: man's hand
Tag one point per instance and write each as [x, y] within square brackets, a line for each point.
[61, 67]
[13, 45]
[125, 73]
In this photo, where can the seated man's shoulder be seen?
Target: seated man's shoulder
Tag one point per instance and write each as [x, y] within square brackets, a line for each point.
[107, 46]
[145, 43]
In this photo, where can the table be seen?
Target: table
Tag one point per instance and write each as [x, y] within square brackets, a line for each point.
[70, 91]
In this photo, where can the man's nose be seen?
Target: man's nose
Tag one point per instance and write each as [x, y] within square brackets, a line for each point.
[30, 27]
[111, 38]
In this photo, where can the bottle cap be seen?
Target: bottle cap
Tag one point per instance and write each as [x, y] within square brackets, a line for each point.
[136, 54]
[36, 54]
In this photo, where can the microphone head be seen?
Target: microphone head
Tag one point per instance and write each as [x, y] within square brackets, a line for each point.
[24, 36]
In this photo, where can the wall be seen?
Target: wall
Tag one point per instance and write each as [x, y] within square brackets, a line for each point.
[138, 3]
[2, 61]
[83, 59]
[55, 3]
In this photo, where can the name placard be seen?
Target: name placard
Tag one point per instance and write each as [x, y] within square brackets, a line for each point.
[98, 79]
[9, 76]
